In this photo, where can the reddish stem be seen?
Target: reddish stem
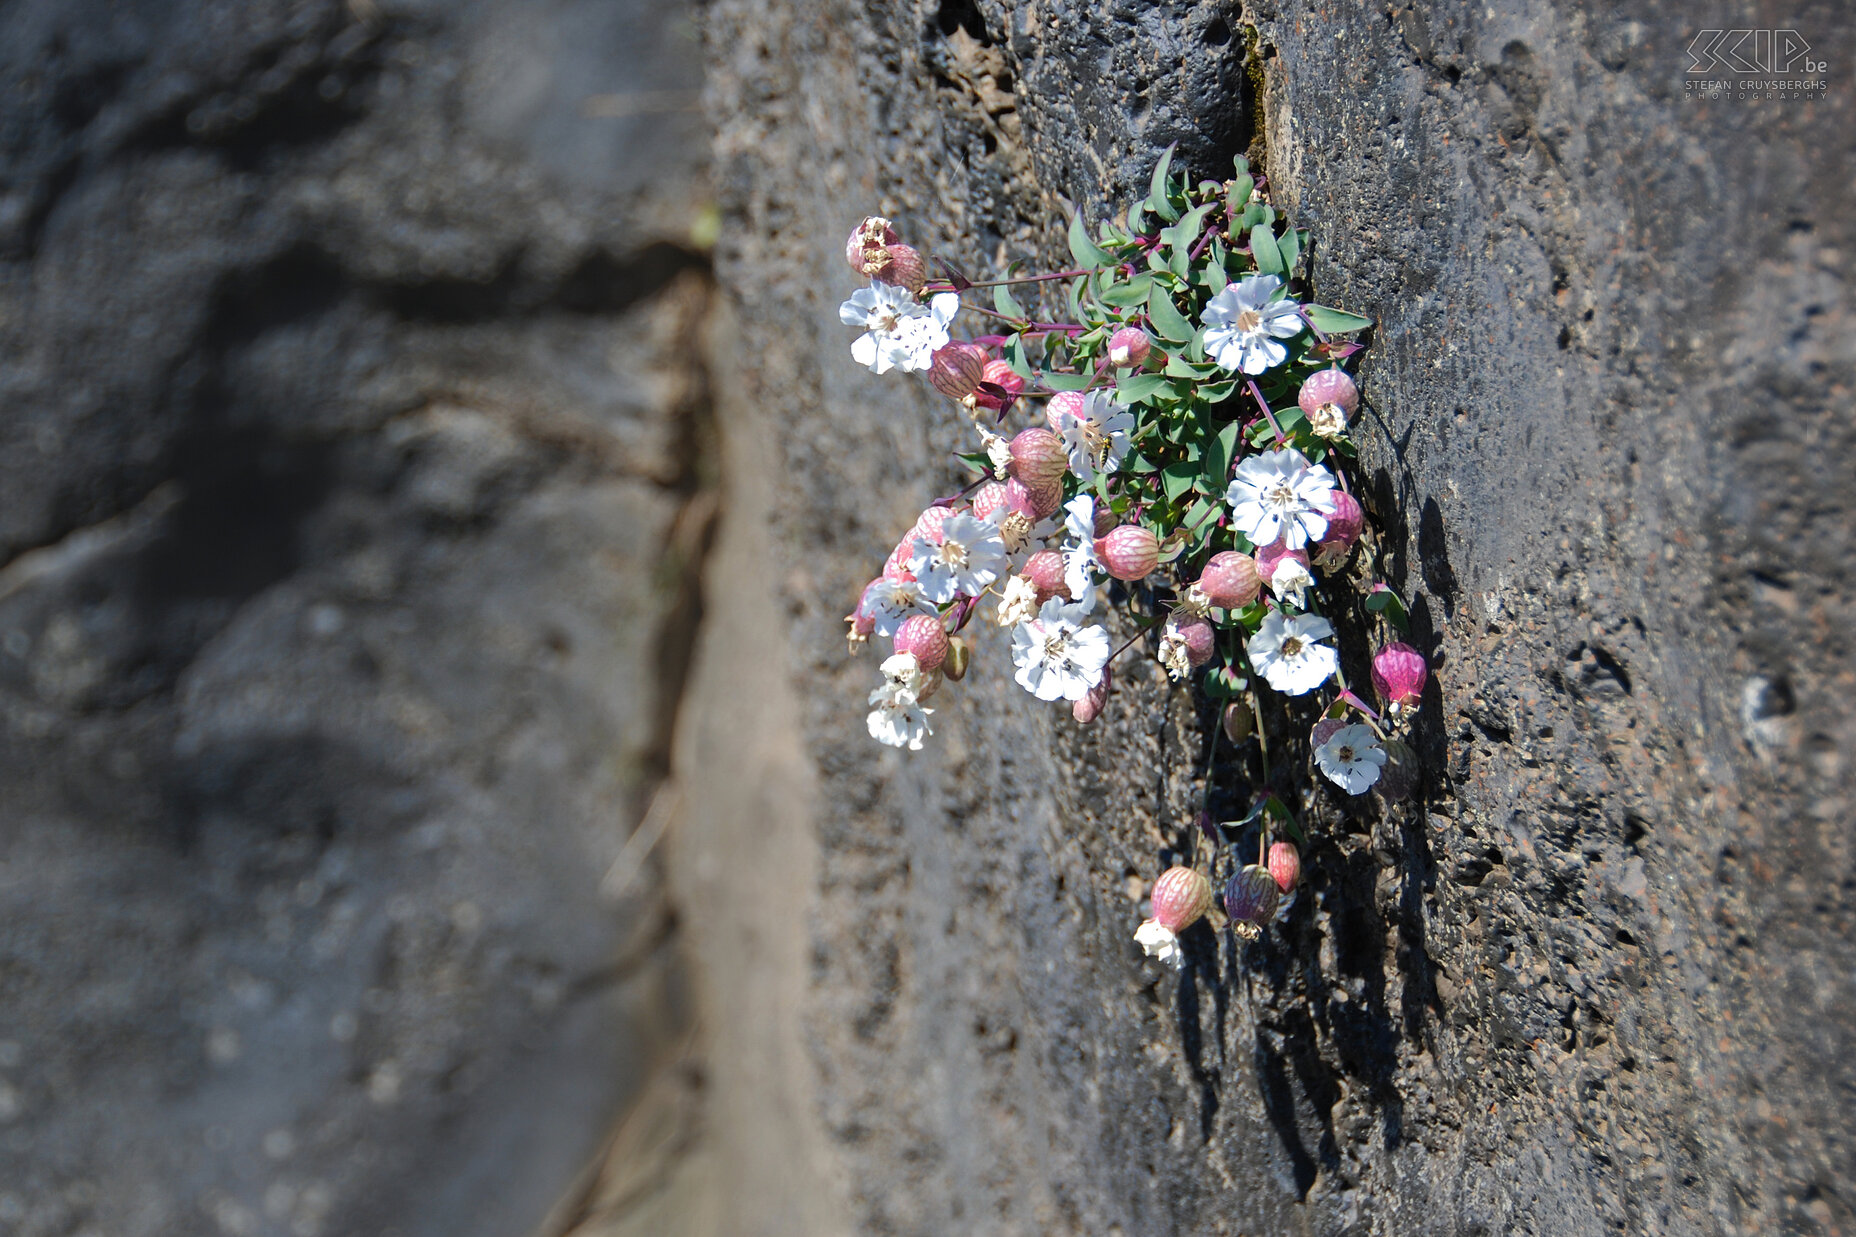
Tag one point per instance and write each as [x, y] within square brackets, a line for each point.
[1256, 393]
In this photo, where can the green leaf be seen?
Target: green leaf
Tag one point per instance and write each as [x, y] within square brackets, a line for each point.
[1182, 234]
[1264, 252]
[1179, 367]
[1201, 512]
[1225, 683]
[1220, 451]
[1158, 200]
[1166, 318]
[1137, 387]
[978, 461]
[1238, 196]
[1065, 382]
[1289, 244]
[1335, 321]
[1127, 294]
[1383, 600]
[1082, 248]
[1178, 478]
[1005, 303]
[1015, 356]
[1137, 218]
[1254, 214]
[1217, 392]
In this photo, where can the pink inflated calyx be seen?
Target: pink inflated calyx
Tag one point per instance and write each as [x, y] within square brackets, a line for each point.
[1045, 571]
[1038, 458]
[1181, 897]
[863, 618]
[1326, 729]
[1129, 552]
[1329, 387]
[1272, 557]
[1070, 402]
[989, 498]
[1250, 900]
[1000, 374]
[1197, 636]
[956, 370]
[1091, 705]
[923, 636]
[1285, 865]
[1128, 346]
[1399, 672]
[896, 566]
[928, 523]
[1345, 522]
[905, 269]
[1229, 580]
[867, 250]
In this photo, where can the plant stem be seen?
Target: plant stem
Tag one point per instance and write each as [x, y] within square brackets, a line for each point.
[1000, 283]
[1256, 393]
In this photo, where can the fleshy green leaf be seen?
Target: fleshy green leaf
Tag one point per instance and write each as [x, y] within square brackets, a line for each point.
[1157, 197]
[1065, 382]
[1238, 196]
[1015, 356]
[1165, 316]
[1138, 387]
[1183, 234]
[1289, 244]
[1263, 250]
[1335, 321]
[1383, 600]
[1082, 248]
[1220, 452]
[1127, 294]
[1006, 303]
[1180, 367]
[1225, 683]
[1178, 478]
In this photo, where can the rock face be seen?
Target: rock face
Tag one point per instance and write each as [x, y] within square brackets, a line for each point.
[1593, 979]
[350, 500]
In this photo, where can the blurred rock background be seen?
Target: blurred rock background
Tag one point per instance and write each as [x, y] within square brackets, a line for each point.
[351, 496]
[366, 409]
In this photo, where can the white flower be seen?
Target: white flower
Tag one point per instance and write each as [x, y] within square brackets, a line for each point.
[1098, 439]
[1080, 564]
[1057, 657]
[899, 331]
[1280, 495]
[899, 719]
[891, 601]
[1158, 941]
[1352, 758]
[999, 451]
[1173, 653]
[1290, 580]
[1242, 325]
[1020, 602]
[1284, 652]
[971, 555]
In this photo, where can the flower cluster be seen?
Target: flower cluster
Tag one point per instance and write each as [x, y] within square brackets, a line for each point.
[1190, 460]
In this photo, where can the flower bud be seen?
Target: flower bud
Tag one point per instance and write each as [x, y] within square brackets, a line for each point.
[925, 637]
[1045, 571]
[905, 269]
[1285, 865]
[1398, 675]
[1329, 398]
[956, 370]
[959, 653]
[1000, 374]
[863, 618]
[866, 250]
[1239, 722]
[1250, 900]
[1038, 458]
[1229, 580]
[1071, 402]
[1181, 897]
[1106, 520]
[1128, 346]
[1129, 552]
[1090, 707]
[1398, 777]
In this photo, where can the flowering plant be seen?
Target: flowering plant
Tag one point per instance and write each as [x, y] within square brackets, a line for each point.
[1191, 460]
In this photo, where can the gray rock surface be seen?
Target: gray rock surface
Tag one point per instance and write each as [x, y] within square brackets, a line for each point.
[351, 494]
[1597, 978]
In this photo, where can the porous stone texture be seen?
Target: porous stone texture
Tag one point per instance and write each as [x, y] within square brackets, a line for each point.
[351, 496]
[1596, 977]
